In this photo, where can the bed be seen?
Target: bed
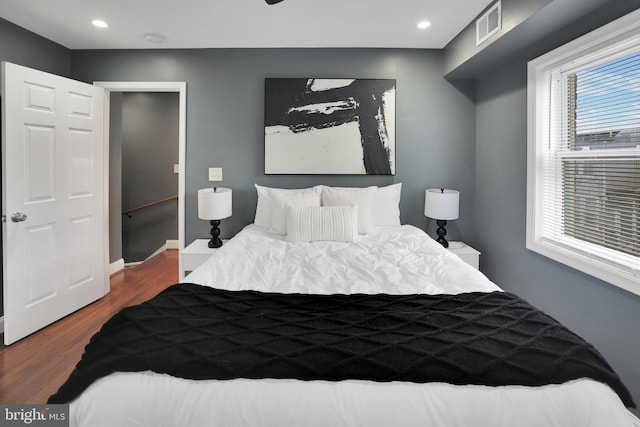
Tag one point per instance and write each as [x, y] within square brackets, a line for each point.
[332, 256]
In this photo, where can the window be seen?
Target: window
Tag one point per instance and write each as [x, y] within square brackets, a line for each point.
[583, 194]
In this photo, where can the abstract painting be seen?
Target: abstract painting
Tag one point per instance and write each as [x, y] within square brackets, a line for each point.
[329, 126]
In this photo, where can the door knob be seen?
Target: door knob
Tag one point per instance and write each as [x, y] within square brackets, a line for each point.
[18, 217]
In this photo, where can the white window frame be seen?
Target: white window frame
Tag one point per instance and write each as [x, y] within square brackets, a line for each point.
[611, 266]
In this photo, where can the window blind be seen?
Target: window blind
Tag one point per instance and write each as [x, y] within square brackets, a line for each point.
[592, 156]
[601, 193]
[606, 109]
[601, 202]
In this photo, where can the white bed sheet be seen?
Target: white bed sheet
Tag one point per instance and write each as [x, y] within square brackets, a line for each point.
[396, 260]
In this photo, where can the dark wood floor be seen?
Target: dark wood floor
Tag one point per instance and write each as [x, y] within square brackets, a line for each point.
[33, 368]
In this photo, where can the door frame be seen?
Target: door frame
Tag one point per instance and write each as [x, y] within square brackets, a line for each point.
[181, 89]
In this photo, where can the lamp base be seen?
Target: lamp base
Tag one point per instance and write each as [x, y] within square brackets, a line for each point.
[215, 241]
[441, 232]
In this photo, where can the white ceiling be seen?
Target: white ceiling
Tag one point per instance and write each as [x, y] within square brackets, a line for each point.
[244, 23]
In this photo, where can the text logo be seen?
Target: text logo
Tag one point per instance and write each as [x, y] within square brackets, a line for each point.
[34, 415]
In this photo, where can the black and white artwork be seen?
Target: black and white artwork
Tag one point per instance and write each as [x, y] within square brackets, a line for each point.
[330, 126]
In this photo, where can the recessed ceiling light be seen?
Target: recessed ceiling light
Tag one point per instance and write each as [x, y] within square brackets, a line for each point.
[424, 24]
[154, 38]
[99, 23]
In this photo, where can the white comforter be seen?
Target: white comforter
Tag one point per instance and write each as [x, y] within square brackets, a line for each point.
[396, 260]
[393, 260]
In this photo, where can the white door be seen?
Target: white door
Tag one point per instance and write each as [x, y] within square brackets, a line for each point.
[52, 198]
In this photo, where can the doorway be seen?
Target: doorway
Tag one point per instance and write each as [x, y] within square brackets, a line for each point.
[142, 87]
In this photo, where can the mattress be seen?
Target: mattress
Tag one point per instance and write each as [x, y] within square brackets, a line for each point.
[390, 260]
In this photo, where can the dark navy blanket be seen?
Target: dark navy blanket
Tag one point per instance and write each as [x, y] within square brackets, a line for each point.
[197, 332]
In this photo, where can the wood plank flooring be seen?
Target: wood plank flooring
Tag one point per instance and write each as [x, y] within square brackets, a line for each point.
[34, 368]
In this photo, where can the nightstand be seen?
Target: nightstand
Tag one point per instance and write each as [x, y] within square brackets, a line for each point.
[466, 252]
[195, 254]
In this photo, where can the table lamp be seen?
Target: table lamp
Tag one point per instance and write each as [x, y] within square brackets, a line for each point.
[441, 205]
[214, 204]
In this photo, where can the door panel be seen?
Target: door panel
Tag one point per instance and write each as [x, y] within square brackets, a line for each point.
[53, 172]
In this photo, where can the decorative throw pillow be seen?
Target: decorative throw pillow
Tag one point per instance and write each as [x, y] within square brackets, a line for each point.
[360, 197]
[332, 223]
[279, 202]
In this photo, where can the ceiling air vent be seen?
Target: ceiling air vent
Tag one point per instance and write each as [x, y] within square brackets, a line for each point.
[489, 23]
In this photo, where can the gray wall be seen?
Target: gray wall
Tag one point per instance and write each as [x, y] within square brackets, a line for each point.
[435, 129]
[25, 48]
[149, 151]
[603, 314]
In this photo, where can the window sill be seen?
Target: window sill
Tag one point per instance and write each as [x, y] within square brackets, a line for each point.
[617, 274]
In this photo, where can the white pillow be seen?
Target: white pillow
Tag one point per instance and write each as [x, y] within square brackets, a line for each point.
[281, 200]
[360, 197]
[334, 223]
[263, 207]
[386, 205]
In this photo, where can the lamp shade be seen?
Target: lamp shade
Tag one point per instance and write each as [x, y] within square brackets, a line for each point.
[214, 203]
[440, 203]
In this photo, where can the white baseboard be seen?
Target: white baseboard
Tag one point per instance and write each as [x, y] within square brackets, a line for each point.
[158, 251]
[169, 244]
[132, 264]
[115, 267]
